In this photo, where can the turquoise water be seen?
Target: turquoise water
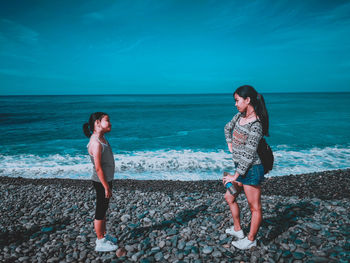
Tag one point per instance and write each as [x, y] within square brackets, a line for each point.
[168, 136]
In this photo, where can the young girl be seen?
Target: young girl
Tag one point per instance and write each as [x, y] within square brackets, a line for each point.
[103, 173]
[243, 134]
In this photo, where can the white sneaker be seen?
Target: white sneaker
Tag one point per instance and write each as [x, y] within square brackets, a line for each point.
[103, 245]
[244, 243]
[238, 234]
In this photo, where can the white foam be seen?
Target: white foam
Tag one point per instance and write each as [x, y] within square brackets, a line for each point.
[172, 164]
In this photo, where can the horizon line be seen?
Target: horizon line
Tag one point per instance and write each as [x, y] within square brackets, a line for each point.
[167, 94]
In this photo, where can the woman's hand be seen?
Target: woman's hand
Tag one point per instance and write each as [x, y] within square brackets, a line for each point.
[229, 145]
[229, 178]
[108, 192]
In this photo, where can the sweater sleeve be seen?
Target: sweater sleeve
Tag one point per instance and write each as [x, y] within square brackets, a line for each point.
[229, 128]
[250, 148]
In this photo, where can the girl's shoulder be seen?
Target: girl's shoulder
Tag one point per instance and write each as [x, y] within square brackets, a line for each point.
[237, 116]
[256, 125]
[94, 142]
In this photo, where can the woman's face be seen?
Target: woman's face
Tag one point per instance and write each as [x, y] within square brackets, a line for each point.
[105, 124]
[241, 103]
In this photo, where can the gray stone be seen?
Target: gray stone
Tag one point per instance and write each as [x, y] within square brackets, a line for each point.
[222, 236]
[285, 246]
[54, 259]
[155, 249]
[217, 254]
[317, 259]
[21, 259]
[158, 256]
[207, 250]
[180, 255]
[82, 254]
[292, 247]
[298, 255]
[137, 255]
[314, 226]
[286, 254]
[181, 245]
[253, 259]
[161, 244]
[125, 218]
[129, 248]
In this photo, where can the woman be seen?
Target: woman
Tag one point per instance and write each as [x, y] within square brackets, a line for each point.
[103, 173]
[243, 134]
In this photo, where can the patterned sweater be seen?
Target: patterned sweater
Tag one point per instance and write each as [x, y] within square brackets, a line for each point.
[245, 140]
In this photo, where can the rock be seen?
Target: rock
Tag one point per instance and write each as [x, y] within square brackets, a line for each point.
[161, 244]
[52, 260]
[125, 218]
[82, 254]
[222, 236]
[207, 250]
[286, 254]
[181, 245]
[137, 255]
[129, 248]
[217, 254]
[180, 255]
[47, 229]
[285, 246]
[22, 259]
[147, 221]
[314, 226]
[158, 256]
[155, 249]
[298, 255]
[317, 259]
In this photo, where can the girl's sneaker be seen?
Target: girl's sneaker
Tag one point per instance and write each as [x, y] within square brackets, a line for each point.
[103, 245]
[238, 234]
[244, 243]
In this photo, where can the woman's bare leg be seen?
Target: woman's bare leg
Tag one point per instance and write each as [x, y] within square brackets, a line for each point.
[253, 194]
[104, 227]
[99, 228]
[234, 208]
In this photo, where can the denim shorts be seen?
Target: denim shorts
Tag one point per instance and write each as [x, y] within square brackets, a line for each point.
[254, 176]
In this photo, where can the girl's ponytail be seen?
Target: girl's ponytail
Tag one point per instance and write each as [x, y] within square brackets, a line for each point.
[86, 130]
[89, 127]
[261, 111]
[258, 102]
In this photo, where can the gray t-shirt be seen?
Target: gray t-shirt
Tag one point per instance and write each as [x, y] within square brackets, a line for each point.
[107, 163]
[245, 140]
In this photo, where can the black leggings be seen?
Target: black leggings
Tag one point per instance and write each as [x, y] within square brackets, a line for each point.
[101, 201]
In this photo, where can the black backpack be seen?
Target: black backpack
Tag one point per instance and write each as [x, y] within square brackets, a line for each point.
[265, 154]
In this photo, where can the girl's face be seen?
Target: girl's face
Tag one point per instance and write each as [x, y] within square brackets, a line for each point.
[241, 103]
[104, 124]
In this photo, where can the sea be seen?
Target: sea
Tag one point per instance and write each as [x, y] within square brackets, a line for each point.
[168, 137]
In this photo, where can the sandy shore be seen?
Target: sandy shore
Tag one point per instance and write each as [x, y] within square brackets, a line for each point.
[306, 219]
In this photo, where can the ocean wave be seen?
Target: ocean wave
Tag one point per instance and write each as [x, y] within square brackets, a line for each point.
[171, 164]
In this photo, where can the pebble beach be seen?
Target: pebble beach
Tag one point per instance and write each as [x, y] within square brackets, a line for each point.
[306, 218]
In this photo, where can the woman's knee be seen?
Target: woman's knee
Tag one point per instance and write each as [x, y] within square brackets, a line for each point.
[229, 198]
[255, 207]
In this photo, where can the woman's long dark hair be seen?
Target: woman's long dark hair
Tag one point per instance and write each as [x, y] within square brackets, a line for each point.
[258, 103]
[89, 127]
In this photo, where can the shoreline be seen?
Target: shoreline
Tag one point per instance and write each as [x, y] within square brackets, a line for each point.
[305, 219]
[332, 184]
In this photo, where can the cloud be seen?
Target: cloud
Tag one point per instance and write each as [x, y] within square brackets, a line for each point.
[131, 46]
[32, 74]
[94, 16]
[12, 31]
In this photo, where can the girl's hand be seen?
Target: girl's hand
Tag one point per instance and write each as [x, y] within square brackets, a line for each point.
[108, 192]
[230, 178]
[230, 147]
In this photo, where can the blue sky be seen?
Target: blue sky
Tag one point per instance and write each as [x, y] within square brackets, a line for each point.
[133, 47]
